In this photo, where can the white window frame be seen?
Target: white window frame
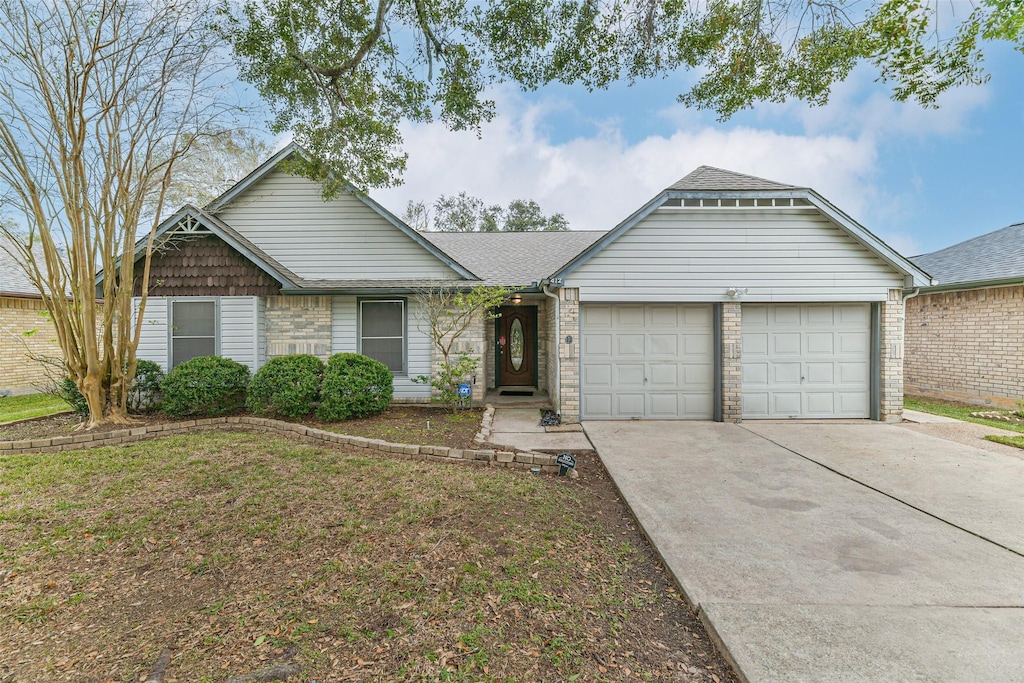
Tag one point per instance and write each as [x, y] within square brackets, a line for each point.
[405, 330]
[170, 324]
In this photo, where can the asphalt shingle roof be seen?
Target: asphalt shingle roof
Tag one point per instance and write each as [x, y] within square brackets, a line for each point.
[997, 255]
[513, 258]
[709, 178]
[12, 276]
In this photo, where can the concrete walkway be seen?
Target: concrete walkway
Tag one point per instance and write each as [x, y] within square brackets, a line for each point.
[835, 552]
[520, 428]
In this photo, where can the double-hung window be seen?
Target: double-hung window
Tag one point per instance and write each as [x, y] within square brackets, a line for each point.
[382, 332]
[193, 330]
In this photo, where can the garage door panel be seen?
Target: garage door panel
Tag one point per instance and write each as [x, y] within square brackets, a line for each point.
[816, 362]
[754, 374]
[631, 375]
[853, 342]
[787, 402]
[785, 373]
[754, 344]
[630, 404]
[820, 343]
[630, 345]
[597, 375]
[664, 345]
[664, 375]
[598, 404]
[785, 344]
[628, 316]
[598, 345]
[663, 405]
[660, 362]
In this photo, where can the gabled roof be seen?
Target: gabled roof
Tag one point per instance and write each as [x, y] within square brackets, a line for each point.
[293, 149]
[513, 259]
[257, 256]
[707, 182]
[711, 178]
[998, 255]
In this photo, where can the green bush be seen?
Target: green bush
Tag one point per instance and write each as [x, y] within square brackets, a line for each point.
[287, 385]
[144, 394]
[204, 386]
[68, 390]
[354, 386]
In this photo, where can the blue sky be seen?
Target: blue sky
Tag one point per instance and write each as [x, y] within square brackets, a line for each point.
[921, 179]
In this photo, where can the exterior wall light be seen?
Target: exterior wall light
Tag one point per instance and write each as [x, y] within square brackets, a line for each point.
[735, 292]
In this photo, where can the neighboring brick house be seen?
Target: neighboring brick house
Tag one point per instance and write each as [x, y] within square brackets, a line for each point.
[724, 297]
[965, 335]
[26, 331]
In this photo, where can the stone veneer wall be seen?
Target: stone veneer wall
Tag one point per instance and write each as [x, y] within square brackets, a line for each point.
[298, 324]
[892, 357]
[549, 342]
[967, 345]
[568, 354]
[732, 370]
[19, 374]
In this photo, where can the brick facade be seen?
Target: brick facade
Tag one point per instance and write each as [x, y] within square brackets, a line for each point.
[473, 342]
[298, 324]
[892, 357]
[19, 374]
[967, 345]
[568, 354]
[732, 371]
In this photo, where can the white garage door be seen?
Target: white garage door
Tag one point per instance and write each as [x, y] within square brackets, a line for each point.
[806, 360]
[647, 361]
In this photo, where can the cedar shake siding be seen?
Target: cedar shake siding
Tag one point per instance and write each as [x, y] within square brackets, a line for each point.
[204, 266]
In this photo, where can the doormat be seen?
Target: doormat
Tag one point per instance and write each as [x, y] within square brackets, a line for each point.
[508, 392]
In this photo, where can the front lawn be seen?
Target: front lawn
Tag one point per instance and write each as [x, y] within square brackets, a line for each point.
[239, 550]
[30, 405]
[960, 411]
[1017, 441]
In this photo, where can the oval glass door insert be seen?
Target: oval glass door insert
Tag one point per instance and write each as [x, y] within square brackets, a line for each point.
[515, 344]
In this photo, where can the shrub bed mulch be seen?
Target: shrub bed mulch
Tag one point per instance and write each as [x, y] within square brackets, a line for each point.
[240, 551]
[427, 426]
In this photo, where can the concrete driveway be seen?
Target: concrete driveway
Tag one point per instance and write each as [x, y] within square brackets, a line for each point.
[835, 552]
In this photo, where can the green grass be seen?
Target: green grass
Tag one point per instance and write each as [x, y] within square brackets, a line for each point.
[959, 411]
[1016, 441]
[30, 405]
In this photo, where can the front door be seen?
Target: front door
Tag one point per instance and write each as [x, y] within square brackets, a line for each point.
[517, 346]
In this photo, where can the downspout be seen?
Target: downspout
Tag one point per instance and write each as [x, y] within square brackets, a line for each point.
[907, 297]
[558, 342]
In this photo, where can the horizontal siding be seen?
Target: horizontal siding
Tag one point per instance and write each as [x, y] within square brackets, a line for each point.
[343, 238]
[344, 339]
[153, 336]
[779, 255]
[238, 329]
[261, 332]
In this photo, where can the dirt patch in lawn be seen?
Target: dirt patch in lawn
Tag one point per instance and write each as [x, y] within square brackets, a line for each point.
[423, 425]
[426, 425]
[236, 550]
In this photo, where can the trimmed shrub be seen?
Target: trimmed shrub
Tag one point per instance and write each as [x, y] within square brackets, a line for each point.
[287, 385]
[204, 386]
[144, 394]
[354, 386]
[68, 390]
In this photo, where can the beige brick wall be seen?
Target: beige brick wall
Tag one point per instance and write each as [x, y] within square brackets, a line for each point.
[732, 371]
[967, 346]
[298, 324]
[474, 342]
[18, 372]
[892, 357]
[549, 342]
[568, 354]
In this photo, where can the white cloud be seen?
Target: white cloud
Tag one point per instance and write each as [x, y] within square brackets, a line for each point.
[599, 180]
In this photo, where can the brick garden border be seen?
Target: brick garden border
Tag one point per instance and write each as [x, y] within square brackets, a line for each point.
[464, 456]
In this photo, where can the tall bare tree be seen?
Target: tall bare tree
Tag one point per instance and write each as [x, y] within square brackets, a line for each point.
[99, 99]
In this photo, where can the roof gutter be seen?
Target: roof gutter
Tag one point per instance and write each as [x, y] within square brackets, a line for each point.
[976, 284]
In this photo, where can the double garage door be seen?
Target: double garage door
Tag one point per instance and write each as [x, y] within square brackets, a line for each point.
[656, 361]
